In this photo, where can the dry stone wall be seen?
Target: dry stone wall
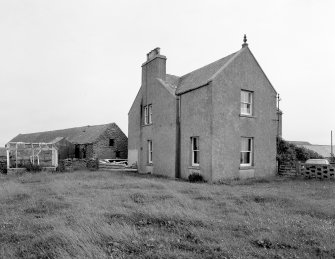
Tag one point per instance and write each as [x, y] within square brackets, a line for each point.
[102, 149]
[69, 165]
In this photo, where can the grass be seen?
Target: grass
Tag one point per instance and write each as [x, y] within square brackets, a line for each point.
[125, 215]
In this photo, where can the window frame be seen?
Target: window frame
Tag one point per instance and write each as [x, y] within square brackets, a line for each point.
[193, 151]
[251, 152]
[150, 152]
[249, 102]
[146, 115]
[150, 114]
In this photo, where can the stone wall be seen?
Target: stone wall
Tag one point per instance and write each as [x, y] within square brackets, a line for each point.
[102, 149]
[317, 171]
[69, 165]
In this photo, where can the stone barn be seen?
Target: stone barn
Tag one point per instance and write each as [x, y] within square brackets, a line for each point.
[98, 141]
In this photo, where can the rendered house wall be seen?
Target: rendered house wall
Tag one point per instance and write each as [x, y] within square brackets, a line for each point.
[196, 120]
[243, 73]
[162, 131]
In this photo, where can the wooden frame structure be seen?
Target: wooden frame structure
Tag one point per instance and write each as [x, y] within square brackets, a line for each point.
[33, 150]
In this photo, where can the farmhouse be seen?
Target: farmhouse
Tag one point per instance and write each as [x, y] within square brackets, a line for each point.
[220, 121]
[99, 141]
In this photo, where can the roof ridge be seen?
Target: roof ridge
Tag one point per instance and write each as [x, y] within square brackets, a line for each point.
[207, 65]
[65, 129]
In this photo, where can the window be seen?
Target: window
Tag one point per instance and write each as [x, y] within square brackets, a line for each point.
[150, 151]
[145, 115]
[195, 151]
[150, 113]
[246, 102]
[111, 142]
[246, 151]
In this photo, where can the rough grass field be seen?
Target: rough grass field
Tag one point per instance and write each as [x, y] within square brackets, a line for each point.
[119, 215]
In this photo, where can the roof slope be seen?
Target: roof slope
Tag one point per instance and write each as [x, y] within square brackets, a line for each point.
[202, 75]
[79, 135]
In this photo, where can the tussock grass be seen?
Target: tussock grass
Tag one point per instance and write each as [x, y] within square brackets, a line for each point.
[126, 215]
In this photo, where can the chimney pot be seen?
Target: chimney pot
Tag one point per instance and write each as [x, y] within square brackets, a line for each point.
[153, 53]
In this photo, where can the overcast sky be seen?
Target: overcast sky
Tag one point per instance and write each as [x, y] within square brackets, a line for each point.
[69, 63]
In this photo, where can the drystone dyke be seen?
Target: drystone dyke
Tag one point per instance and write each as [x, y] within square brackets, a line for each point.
[318, 171]
[69, 165]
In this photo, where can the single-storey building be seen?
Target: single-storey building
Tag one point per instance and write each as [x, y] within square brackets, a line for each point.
[220, 121]
[98, 141]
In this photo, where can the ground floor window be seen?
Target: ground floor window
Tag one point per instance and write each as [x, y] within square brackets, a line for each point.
[246, 151]
[195, 150]
[150, 151]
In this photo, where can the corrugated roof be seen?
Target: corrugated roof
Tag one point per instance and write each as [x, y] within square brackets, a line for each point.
[79, 135]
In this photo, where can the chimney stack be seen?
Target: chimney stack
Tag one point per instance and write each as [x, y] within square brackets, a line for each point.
[154, 67]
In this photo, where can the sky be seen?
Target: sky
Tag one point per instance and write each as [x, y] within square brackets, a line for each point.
[70, 63]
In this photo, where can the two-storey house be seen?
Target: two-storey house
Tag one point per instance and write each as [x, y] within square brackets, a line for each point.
[220, 121]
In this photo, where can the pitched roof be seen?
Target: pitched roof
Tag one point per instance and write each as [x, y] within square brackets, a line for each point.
[79, 135]
[199, 77]
[3, 151]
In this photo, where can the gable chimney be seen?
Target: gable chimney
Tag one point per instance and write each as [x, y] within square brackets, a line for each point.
[154, 67]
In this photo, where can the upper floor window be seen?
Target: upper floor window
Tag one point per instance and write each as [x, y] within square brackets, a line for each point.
[148, 114]
[246, 151]
[111, 142]
[195, 150]
[246, 102]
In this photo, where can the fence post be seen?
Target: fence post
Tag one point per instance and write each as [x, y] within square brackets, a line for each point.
[297, 165]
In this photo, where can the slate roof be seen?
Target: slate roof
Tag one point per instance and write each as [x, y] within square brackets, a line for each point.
[3, 152]
[79, 135]
[198, 77]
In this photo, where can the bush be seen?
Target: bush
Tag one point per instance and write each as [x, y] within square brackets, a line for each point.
[32, 168]
[195, 177]
[290, 153]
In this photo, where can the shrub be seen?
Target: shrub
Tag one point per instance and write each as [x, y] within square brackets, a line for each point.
[32, 168]
[290, 153]
[195, 177]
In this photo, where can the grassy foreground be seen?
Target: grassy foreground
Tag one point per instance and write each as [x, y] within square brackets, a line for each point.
[120, 215]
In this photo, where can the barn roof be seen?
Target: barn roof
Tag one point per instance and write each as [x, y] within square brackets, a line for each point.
[78, 135]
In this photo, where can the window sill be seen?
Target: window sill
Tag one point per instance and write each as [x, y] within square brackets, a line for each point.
[248, 116]
[246, 167]
[195, 167]
[144, 125]
[150, 164]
